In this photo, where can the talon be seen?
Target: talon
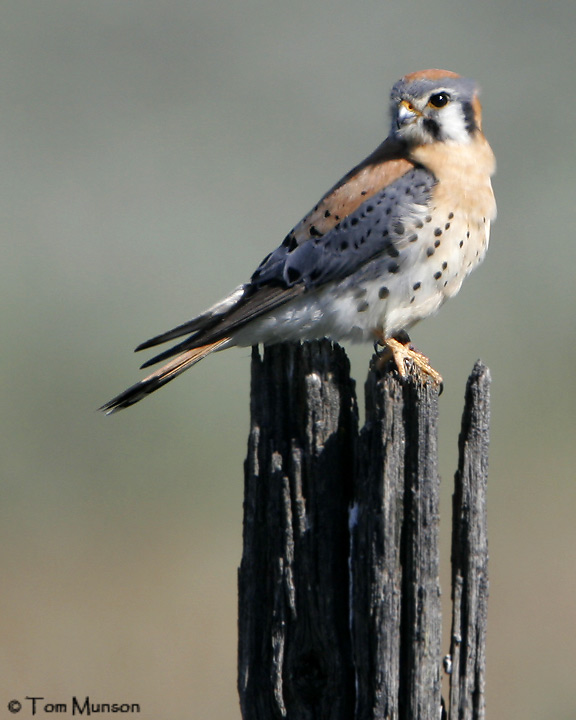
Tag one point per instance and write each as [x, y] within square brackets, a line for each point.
[395, 348]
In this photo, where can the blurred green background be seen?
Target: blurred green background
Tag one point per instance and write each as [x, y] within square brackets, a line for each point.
[152, 154]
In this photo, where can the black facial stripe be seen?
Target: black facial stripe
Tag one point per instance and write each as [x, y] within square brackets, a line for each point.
[469, 121]
[432, 127]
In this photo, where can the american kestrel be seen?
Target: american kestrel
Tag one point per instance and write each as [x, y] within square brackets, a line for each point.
[384, 248]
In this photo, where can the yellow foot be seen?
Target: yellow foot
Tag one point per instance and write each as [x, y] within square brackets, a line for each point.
[402, 352]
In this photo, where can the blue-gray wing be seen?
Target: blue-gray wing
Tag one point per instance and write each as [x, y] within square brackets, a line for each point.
[383, 225]
[379, 226]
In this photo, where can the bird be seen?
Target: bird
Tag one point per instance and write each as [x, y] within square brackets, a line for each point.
[381, 250]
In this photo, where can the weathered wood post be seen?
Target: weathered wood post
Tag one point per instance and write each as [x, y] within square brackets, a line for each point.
[470, 554]
[295, 656]
[397, 625]
[339, 610]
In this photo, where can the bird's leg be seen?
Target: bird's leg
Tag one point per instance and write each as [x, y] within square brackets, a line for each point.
[400, 349]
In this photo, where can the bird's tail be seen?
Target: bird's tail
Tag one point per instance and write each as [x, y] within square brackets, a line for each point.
[161, 376]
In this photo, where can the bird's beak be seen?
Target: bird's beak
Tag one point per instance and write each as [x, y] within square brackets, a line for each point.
[407, 114]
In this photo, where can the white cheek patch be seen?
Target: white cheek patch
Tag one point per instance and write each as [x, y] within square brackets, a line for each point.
[453, 124]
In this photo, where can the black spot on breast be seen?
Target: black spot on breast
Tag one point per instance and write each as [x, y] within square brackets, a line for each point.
[383, 293]
[446, 226]
[418, 224]
[438, 232]
[392, 251]
[451, 216]
[437, 243]
[437, 275]
[428, 218]
[444, 265]
[430, 251]
[417, 286]
[393, 267]
[399, 228]
[461, 243]
[412, 238]
[363, 306]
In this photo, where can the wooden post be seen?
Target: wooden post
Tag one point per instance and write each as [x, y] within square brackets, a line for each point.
[295, 659]
[470, 554]
[339, 610]
[397, 626]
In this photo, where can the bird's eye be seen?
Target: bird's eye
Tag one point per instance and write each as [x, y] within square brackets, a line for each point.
[438, 100]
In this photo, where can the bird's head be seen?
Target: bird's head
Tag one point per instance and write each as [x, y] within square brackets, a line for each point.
[435, 106]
